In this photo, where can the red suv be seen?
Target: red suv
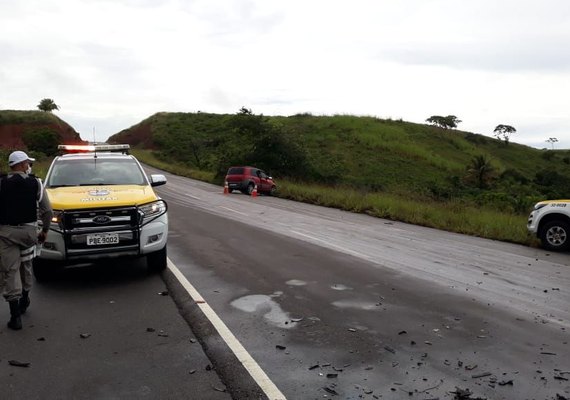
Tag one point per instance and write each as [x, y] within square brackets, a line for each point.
[244, 179]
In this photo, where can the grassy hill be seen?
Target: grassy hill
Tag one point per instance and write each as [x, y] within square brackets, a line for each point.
[35, 132]
[364, 153]
[386, 168]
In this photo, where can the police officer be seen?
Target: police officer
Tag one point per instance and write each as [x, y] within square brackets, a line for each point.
[20, 196]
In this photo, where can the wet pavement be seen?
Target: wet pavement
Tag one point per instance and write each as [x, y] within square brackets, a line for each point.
[347, 306]
[104, 332]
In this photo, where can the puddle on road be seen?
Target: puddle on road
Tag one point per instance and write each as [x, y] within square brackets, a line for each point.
[357, 305]
[262, 304]
[340, 286]
[296, 282]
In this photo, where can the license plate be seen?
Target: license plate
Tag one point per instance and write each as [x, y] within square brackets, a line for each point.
[100, 239]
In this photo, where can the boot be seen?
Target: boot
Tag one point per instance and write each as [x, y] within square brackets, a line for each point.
[24, 301]
[15, 322]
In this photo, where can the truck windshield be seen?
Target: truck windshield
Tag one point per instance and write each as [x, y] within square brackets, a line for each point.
[100, 171]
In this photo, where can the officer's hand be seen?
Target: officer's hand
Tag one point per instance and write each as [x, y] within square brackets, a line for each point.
[42, 236]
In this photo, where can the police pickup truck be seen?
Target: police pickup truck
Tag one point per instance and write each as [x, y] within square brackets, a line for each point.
[104, 207]
[550, 222]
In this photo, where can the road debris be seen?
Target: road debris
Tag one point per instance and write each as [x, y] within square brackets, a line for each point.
[280, 347]
[217, 389]
[41, 339]
[162, 334]
[16, 363]
[330, 390]
[481, 375]
[332, 375]
[464, 394]
[163, 293]
[84, 335]
[314, 367]
[150, 329]
[192, 371]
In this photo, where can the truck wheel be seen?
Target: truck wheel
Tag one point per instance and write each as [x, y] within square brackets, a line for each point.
[250, 189]
[43, 269]
[273, 190]
[156, 261]
[554, 236]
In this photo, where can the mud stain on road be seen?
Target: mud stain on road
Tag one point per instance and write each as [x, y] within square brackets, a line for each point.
[266, 306]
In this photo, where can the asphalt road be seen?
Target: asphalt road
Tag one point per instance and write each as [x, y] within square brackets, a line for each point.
[329, 304]
[135, 343]
[367, 308]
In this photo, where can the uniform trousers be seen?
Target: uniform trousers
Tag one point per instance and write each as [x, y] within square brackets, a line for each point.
[13, 239]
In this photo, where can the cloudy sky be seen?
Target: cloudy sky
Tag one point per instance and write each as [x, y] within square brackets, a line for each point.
[110, 64]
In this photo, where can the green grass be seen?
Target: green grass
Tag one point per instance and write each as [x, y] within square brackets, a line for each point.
[450, 216]
[28, 117]
[148, 157]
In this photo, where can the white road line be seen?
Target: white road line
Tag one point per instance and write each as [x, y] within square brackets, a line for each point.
[329, 244]
[229, 209]
[194, 197]
[258, 375]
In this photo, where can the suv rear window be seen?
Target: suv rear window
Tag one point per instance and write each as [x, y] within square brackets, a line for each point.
[236, 171]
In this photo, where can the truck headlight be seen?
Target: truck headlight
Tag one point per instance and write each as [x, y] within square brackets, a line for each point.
[151, 211]
[56, 221]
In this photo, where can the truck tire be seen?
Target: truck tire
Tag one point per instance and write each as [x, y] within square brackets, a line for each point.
[555, 236]
[157, 261]
[43, 269]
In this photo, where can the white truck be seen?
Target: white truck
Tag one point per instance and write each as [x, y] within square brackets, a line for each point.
[104, 207]
[550, 222]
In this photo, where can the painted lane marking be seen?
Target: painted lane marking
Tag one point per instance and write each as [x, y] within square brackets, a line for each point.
[329, 244]
[232, 210]
[258, 375]
[194, 197]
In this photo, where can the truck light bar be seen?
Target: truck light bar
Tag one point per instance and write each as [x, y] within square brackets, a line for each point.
[80, 148]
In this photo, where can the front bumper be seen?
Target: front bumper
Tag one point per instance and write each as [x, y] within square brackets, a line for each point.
[532, 225]
[149, 238]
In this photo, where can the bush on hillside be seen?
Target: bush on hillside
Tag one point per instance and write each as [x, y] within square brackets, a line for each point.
[42, 140]
[253, 140]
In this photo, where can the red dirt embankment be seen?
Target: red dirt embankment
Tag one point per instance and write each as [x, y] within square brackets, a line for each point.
[14, 124]
[139, 135]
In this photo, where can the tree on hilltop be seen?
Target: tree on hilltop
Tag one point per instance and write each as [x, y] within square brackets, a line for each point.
[448, 122]
[47, 105]
[552, 140]
[504, 132]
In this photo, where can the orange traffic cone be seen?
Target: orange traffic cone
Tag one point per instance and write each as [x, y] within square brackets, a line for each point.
[226, 188]
[254, 191]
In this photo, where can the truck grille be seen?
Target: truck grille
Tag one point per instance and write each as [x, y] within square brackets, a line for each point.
[79, 224]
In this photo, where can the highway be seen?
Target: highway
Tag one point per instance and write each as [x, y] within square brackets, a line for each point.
[319, 303]
[330, 303]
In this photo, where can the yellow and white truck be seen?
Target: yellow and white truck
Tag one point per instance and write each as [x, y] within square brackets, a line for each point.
[104, 207]
[550, 222]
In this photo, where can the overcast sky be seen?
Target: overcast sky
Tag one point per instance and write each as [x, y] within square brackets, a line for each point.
[110, 64]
